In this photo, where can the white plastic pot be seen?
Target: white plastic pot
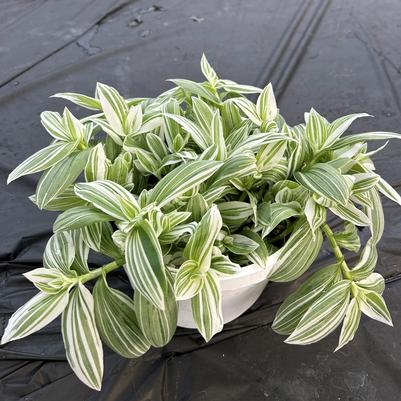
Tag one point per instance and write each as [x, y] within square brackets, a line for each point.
[238, 293]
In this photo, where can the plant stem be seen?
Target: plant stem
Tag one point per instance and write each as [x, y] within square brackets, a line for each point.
[107, 268]
[337, 251]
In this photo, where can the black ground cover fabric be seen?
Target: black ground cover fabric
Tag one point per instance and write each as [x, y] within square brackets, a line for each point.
[338, 56]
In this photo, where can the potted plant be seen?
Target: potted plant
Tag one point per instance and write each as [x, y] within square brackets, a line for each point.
[201, 196]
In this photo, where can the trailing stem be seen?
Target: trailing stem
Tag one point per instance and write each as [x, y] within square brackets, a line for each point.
[107, 268]
[337, 251]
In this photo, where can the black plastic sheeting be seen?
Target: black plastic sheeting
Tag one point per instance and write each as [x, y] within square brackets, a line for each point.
[338, 56]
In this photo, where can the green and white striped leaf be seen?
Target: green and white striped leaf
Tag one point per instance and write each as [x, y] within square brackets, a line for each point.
[366, 136]
[231, 86]
[231, 116]
[271, 215]
[145, 266]
[339, 126]
[315, 214]
[114, 107]
[297, 254]
[54, 125]
[181, 180]
[234, 167]
[43, 159]
[235, 213]
[323, 316]
[260, 256]
[223, 266]
[80, 263]
[156, 146]
[107, 245]
[266, 106]
[375, 215]
[50, 281]
[350, 324]
[197, 134]
[73, 126]
[197, 89]
[200, 245]
[81, 100]
[176, 233]
[240, 244]
[249, 109]
[387, 190]
[197, 207]
[109, 130]
[316, 129]
[79, 216]
[374, 282]
[133, 121]
[97, 165]
[92, 235]
[364, 181]
[206, 307]
[350, 213]
[111, 198]
[295, 305]
[63, 201]
[208, 71]
[326, 181]
[37, 313]
[60, 252]
[158, 326]
[348, 238]
[269, 155]
[146, 162]
[116, 321]
[188, 280]
[373, 305]
[56, 180]
[81, 338]
[367, 261]
[217, 134]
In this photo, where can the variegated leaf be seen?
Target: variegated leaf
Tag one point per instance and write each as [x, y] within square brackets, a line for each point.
[79, 216]
[79, 99]
[266, 106]
[158, 326]
[145, 266]
[81, 338]
[111, 198]
[200, 245]
[56, 180]
[350, 324]
[297, 254]
[182, 179]
[60, 252]
[114, 107]
[43, 159]
[208, 71]
[116, 321]
[295, 305]
[373, 305]
[323, 316]
[326, 181]
[37, 313]
[206, 307]
[188, 280]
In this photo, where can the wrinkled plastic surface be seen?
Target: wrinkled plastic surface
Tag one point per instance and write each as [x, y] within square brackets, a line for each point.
[338, 56]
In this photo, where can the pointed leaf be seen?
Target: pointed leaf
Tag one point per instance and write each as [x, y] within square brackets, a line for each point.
[116, 321]
[37, 313]
[81, 339]
[145, 266]
[206, 307]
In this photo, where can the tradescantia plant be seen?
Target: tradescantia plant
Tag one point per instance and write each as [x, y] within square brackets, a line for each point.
[185, 188]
